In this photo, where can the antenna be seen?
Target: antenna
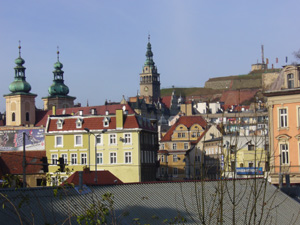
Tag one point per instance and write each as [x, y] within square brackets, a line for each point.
[262, 54]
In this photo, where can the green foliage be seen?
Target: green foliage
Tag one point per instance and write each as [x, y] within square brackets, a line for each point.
[98, 212]
[11, 180]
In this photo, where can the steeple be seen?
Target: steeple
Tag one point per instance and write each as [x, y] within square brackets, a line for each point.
[58, 88]
[149, 78]
[58, 91]
[20, 85]
[149, 54]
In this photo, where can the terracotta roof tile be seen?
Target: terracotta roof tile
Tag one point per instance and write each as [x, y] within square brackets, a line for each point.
[103, 177]
[11, 162]
[166, 100]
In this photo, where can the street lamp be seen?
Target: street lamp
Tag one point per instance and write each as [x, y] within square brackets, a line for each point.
[95, 135]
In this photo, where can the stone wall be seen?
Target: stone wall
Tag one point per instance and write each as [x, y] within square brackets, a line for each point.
[268, 79]
[222, 84]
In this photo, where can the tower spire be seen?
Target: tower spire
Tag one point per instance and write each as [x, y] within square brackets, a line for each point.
[19, 49]
[149, 54]
[57, 53]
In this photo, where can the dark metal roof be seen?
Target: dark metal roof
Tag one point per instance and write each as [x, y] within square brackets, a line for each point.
[152, 203]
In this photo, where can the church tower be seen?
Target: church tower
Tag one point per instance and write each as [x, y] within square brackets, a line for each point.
[149, 78]
[58, 91]
[20, 103]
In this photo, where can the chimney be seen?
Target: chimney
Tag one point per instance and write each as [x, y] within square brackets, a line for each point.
[53, 110]
[119, 119]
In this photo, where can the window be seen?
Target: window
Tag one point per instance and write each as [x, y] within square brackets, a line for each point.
[78, 140]
[282, 117]
[113, 157]
[250, 164]
[194, 134]
[99, 158]
[174, 146]
[74, 159]
[162, 158]
[290, 80]
[112, 139]
[186, 145]
[98, 139]
[83, 159]
[127, 138]
[250, 147]
[106, 121]
[65, 157]
[78, 123]
[13, 117]
[54, 181]
[58, 141]
[59, 124]
[183, 135]
[175, 158]
[27, 116]
[127, 157]
[54, 158]
[162, 146]
[162, 171]
[175, 172]
[284, 153]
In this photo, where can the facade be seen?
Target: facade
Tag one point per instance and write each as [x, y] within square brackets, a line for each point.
[284, 113]
[176, 145]
[124, 144]
[242, 155]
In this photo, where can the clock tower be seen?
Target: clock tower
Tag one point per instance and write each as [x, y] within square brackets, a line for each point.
[149, 78]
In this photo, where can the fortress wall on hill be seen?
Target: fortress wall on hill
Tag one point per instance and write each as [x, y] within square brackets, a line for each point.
[222, 84]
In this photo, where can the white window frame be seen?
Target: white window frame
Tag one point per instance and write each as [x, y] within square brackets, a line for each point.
[110, 139]
[162, 146]
[101, 139]
[62, 141]
[75, 140]
[99, 159]
[83, 158]
[65, 157]
[54, 158]
[283, 118]
[127, 157]
[186, 146]
[175, 158]
[59, 124]
[79, 123]
[106, 122]
[74, 159]
[112, 158]
[127, 139]
[284, 152]
[174, 146]
[54, 181]
[162, 158]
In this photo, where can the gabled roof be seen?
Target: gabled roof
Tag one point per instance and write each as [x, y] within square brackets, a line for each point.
[11, 162]
[88, 178]
[152, 203]
[188, 121]
[166, 100]
[42, 116]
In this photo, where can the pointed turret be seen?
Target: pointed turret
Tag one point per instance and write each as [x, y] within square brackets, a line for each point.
[58, 91]
[20, 103]
[149, 78]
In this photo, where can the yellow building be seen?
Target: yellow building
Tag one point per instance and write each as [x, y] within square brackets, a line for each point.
[176, 145]
[245, 154]
[124, 144]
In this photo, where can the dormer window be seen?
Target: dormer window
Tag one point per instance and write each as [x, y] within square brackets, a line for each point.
[59, 123]
[93, 111]
[106, 121]
[79, 123]
[80, 112]
[290, 80]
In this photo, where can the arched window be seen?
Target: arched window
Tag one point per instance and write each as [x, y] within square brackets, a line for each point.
[27, 116]
[290, 80]
[13, 117]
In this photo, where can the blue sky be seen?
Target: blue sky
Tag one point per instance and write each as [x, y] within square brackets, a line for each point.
[103, 43]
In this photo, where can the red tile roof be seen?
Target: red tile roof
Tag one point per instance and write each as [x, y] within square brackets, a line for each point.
[166, 100]
[238, 96]
[103, 177]
[11, 162]
[188, 121]
[42, 116]
[96, 123]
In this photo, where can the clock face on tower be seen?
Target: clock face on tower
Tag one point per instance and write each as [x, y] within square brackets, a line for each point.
[146, 88]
